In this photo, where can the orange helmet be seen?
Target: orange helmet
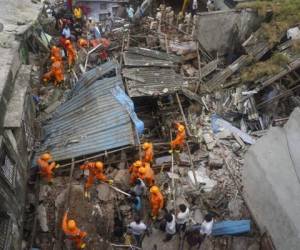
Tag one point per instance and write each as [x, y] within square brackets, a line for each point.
[46, 157]
[99, 165]
[154, 189]
[71, 225]
[142, 170]
[146, 145]
[137, 164]
[181, 128]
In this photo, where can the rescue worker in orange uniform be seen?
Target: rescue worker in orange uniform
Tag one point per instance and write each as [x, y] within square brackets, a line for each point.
[179, 141]
[148, 152]
[55, 52]
[146, 174]
[71, 53]
[134, 171]
[156, 201]
[46, 166]
[73, 232]
[82, 43]
[56, 72]
[95, 172]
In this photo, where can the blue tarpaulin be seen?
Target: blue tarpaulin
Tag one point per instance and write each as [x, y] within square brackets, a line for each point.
[231, 227]
[218, 124]
[228, 227]
[127, 103]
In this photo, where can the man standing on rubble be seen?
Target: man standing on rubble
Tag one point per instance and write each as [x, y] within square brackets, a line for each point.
[178, 142]
[156, 201]
[71, 53]
[139, 188]
[73, 232]
[170, 226]
[130, 12]
[134, 171]
[207, 225]
[182, 218]
[96, 170]
[148, 152]
[46, 166]
[146, 174]
[138, 228]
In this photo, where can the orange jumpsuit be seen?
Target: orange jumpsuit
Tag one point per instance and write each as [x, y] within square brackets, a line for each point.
[178, 142]
[134, 171]
[55, 52]
[93, 173]
[56, 72]
[148, 177]
[46, 169]
[148, 154]
[71, 52]
[156, 202]
[76, 234]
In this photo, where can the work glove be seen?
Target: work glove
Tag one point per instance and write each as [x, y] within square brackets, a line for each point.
[57, 166]
[110, 182]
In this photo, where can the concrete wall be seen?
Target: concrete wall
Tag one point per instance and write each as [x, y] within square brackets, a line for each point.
[221, 31]
[272, 184]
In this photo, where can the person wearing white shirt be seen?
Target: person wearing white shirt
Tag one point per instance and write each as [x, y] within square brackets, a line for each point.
[194, 7]
[182, 217]
[138, 228]
[207, 225]
[170, 226]
[139, 188]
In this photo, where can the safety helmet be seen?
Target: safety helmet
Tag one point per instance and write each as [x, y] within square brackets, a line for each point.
[54, 47]
[99, 165]
[146, 145]
[71, 224]
[138, 164]
[46, 157]
[142, 170]
[181, 128]
[154, 189]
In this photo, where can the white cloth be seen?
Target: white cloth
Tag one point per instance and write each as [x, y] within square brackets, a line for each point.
[195, 4]
[139, 189]
[66, 32]
[130, 12]
[183, 217]
[137, 229]
[206, 227]
[171, 226]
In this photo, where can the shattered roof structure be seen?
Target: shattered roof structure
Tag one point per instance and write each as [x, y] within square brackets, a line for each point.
[91, 121]
[152, 81]
[150, 72]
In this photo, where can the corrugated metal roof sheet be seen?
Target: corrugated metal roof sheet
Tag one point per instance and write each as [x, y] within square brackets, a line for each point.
[131, 59]
[152, 81]
[155, 54]
[91, 121]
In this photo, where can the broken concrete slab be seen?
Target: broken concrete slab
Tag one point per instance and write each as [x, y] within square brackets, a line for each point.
[122, 178]
[105, 193]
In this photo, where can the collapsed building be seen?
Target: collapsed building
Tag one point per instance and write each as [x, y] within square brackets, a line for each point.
[159, 72]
